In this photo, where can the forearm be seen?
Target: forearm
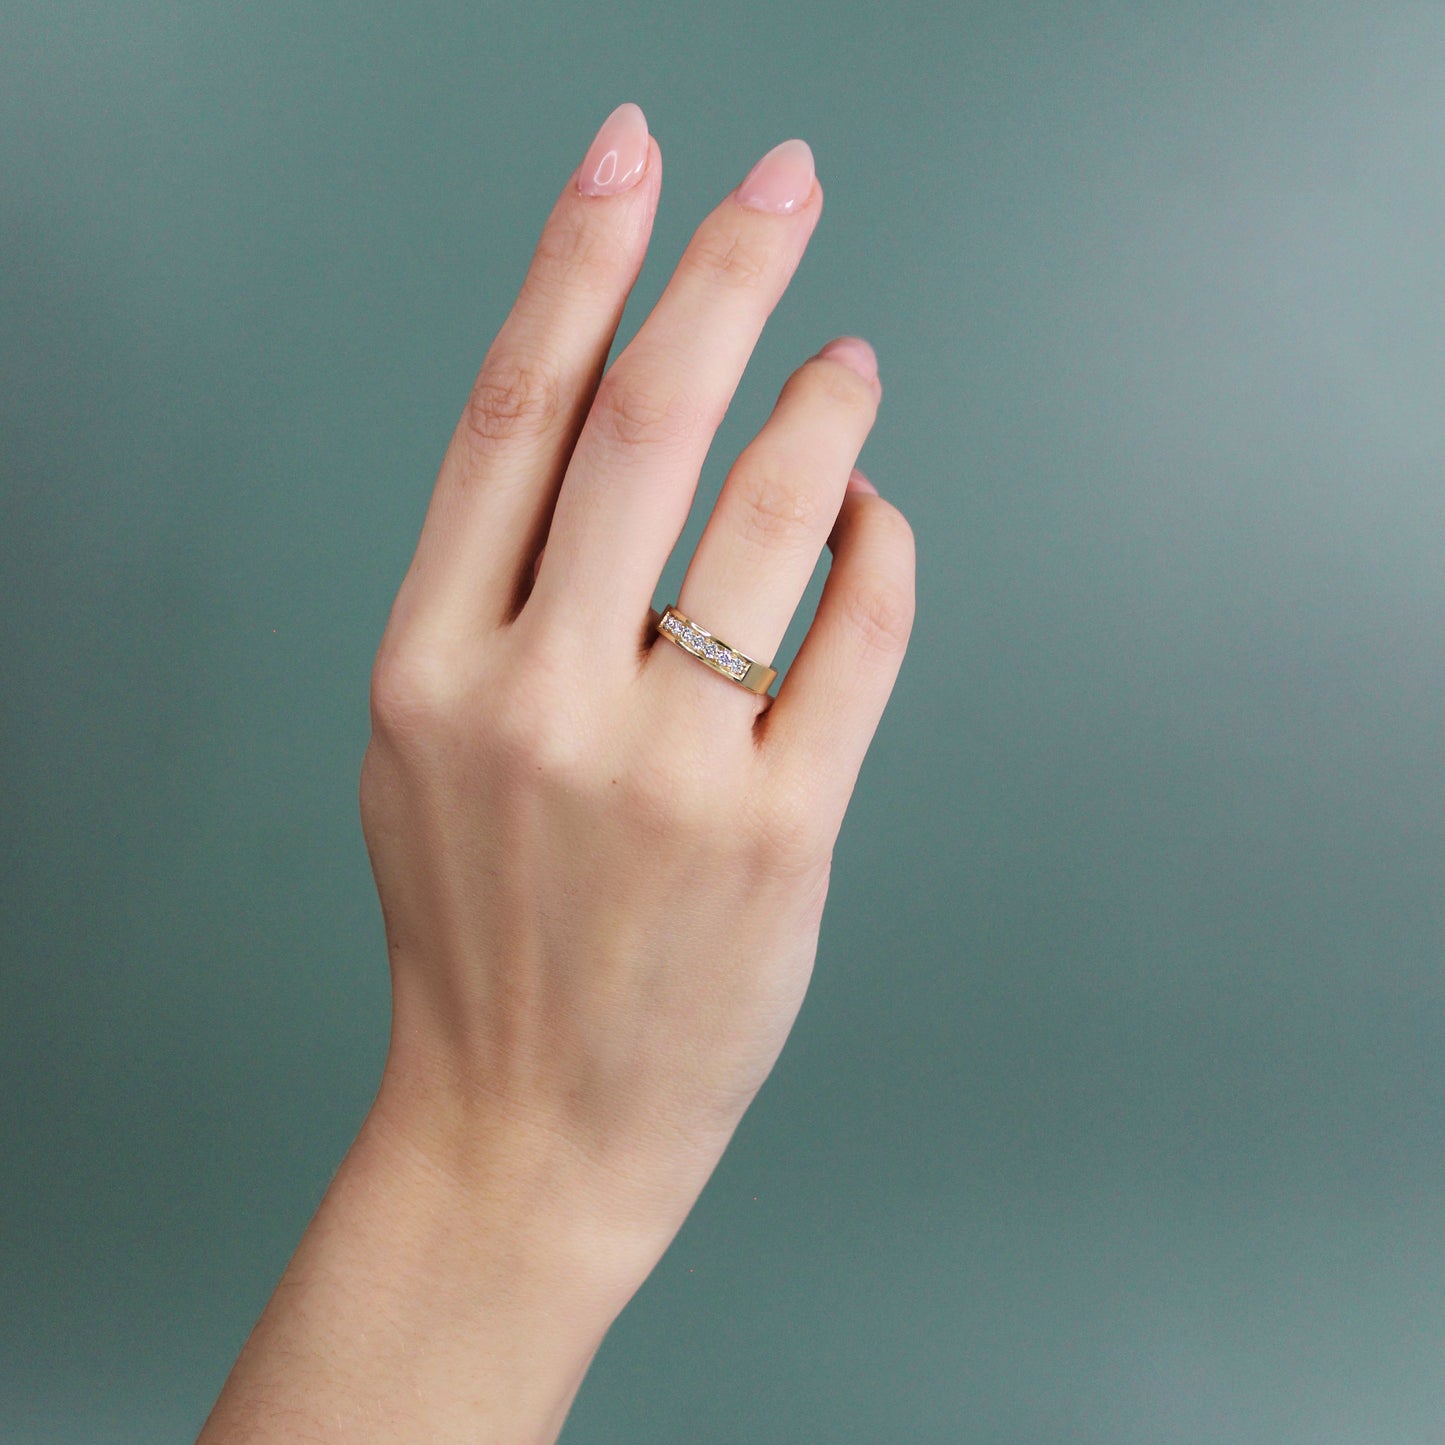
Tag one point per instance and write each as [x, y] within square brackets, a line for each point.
[601, 866]
[437, 1299]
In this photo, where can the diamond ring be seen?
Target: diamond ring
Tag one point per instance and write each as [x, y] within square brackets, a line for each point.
[735, 665]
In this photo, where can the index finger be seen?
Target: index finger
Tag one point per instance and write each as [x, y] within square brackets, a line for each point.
[632, 476]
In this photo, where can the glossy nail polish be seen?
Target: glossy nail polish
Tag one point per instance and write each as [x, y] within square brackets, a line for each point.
[781, 181]
[617, 156]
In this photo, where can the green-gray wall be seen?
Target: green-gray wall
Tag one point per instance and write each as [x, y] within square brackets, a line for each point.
[1115, 1110]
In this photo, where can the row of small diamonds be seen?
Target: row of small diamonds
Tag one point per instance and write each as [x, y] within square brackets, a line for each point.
[706, 646]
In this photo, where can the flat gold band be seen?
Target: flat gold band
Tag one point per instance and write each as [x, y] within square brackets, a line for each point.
[736, 666]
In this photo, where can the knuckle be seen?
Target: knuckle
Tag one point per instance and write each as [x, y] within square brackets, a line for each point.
[516, 398]
[415, 693]
[897, 537]
[823, 380]
[771, 509]
[788, 834]
[879, 613]
[570, 244]
[630, 414]
[733, 258]
[531, 724]
[675, 789]
[663, 793]
[536, 745]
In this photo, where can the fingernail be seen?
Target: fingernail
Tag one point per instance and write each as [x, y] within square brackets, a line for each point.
[857, 482]
[781, 181]
[617, 157]
[855, 353]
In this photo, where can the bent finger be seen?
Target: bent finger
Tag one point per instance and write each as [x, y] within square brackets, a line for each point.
[776, 508]
[827, 708]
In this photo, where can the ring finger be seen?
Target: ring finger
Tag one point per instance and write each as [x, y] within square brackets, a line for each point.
[630, 482]
[776, 508]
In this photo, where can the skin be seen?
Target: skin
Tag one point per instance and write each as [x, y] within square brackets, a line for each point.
[602, 866]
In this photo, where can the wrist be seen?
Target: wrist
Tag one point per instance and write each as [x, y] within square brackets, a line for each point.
[614, 1173]
[452, 1285]
[491, 1178]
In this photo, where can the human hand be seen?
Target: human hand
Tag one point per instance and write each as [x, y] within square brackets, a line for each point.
[601, 864]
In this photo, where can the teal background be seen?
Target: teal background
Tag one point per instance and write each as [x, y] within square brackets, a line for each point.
[1115, 1110]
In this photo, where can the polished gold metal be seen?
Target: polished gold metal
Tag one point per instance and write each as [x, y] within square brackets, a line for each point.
[736, 666]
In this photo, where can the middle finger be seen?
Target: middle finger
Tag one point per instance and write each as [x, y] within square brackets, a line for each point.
[633, 472]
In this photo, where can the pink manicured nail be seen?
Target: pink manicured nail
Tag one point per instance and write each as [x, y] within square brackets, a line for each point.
[853, 352]
[857, 482]
[617, 158]
[782, 180]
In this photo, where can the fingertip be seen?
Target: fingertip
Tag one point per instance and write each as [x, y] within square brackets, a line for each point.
[857, 482]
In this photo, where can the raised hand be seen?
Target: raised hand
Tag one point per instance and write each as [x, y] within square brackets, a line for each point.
[602, 862]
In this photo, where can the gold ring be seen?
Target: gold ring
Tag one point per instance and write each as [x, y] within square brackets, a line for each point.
[736, 666]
